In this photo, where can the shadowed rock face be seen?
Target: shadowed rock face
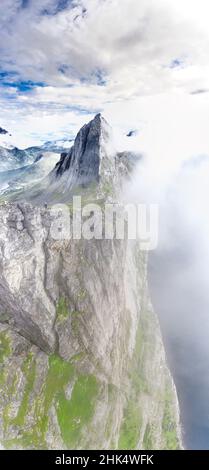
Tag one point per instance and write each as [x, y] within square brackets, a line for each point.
[83, 364]
[92, 160]
[3, 131]
[84, 160]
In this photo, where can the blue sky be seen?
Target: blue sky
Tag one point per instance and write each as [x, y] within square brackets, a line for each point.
[62, 61]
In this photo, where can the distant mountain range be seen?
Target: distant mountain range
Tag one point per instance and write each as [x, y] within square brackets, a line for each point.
[22, 167]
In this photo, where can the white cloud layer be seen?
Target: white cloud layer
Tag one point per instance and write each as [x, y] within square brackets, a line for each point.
[101, 55]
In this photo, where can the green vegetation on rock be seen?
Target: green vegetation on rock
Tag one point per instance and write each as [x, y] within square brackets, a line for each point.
[75, 413]
[29, 371]
[131, 427]
[132, 420]
[168, 423]
[5, 351]
[4, 346]
[62, 309]
[148, 439]
[59, 374]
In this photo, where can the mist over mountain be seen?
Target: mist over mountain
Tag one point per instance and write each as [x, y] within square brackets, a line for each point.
[178, 281]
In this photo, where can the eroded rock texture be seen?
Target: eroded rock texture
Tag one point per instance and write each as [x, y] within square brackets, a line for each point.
[81, 354]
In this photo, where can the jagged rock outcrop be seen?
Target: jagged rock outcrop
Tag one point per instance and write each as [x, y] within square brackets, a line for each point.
[92, 167]
[91, 157]
[82, 359]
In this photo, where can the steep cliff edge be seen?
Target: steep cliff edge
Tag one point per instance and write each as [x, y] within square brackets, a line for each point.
[81, 354]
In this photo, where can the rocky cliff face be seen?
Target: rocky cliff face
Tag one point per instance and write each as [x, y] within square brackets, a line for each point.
[82, 360]
[87, 159]
[91, 167]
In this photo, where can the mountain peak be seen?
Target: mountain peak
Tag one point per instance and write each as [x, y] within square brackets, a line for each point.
[99, 123]
[98, 116]
[82, 163]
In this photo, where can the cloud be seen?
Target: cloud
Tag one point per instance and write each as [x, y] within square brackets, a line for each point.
[84, 37]
[200, 91]
[179, 268]
[84, 54]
